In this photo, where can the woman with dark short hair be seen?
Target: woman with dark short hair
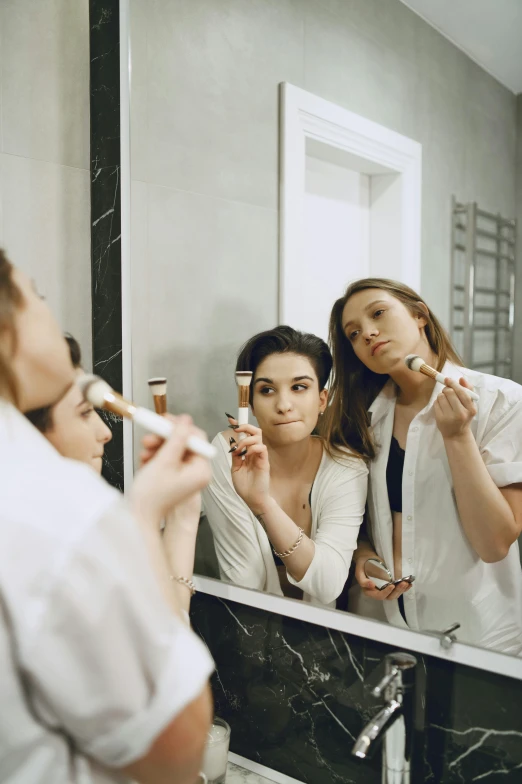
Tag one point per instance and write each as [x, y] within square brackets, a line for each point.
[284, 509]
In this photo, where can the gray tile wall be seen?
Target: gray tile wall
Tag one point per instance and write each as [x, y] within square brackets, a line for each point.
[205, 161]
[44, 152]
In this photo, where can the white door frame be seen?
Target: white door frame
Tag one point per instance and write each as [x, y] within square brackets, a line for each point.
[303, 116]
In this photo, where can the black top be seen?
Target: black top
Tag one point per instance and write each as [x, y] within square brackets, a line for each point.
[394, 471]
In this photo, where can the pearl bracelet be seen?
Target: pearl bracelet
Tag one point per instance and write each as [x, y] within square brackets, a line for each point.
[292, 549]
[187, 583]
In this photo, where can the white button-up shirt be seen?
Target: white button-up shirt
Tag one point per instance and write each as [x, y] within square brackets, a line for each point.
[93, 663]
[452, 582]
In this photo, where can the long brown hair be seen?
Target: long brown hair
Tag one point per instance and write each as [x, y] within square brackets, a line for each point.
[10, 300]
[354, 387]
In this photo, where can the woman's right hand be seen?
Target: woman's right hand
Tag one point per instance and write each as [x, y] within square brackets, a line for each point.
[170, 473]
[251, 468]
[369, 588]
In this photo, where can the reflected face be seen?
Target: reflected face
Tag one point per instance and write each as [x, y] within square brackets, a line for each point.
[41, 363]
[382, 330]
[286, 398]
[77, 431]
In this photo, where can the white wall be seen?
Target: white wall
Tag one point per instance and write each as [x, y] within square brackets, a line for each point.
[44, 152]
[205, 161]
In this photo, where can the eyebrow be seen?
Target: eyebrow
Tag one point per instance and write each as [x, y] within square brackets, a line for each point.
[269, 380]
[368, 307]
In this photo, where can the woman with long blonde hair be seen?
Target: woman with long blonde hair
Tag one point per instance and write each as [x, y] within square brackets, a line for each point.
[445, 487]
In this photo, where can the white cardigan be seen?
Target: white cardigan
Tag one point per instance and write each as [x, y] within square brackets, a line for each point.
[242, 547]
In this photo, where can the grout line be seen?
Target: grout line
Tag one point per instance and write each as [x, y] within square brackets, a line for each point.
[206, 196]
[51, 163]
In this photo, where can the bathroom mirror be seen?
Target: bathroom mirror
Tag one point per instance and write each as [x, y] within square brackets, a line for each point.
[255, 204]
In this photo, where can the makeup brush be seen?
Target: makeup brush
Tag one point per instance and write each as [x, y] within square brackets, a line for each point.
[158, 387]
[99, 394]
[418, 364]
[243, 381]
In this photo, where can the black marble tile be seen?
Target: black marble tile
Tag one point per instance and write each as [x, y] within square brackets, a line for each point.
[296, 696]
[474, 724]
[105, 214]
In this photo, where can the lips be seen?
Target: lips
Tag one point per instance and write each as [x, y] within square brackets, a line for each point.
[293, 422]
[378, 345]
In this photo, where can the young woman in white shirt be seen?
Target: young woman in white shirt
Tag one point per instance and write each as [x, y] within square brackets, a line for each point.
[114, 682]
[445, 485]
[284, 510]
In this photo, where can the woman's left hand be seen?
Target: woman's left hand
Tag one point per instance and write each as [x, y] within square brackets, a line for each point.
[454, 409]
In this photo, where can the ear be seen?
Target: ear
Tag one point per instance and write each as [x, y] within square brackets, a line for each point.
[323, 400]
[423, 319]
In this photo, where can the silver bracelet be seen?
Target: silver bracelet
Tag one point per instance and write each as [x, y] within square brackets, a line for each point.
[292, 549]
[187, 583]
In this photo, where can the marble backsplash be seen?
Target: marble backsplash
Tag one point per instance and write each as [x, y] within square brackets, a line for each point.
[296, 696]
[106, 215]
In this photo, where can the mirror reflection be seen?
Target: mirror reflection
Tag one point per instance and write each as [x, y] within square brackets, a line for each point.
[287, 501]
[443, 498]
[344, 477]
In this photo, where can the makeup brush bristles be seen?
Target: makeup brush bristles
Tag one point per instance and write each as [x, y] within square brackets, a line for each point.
[414, 362]
[243, 381]
[243, 378]
[94, 389]
[158, 386]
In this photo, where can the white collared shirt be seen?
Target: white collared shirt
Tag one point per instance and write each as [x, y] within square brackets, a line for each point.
[452, 583]
[93, 663]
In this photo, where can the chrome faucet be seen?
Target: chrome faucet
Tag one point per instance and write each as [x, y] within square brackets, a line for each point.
[395, 720]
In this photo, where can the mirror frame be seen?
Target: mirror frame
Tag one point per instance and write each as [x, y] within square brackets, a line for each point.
[404, 639]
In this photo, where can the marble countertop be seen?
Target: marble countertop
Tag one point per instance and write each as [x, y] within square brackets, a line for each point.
[237, 775]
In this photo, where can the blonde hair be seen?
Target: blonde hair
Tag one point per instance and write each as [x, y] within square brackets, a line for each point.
[10, 300]
[354, 387]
